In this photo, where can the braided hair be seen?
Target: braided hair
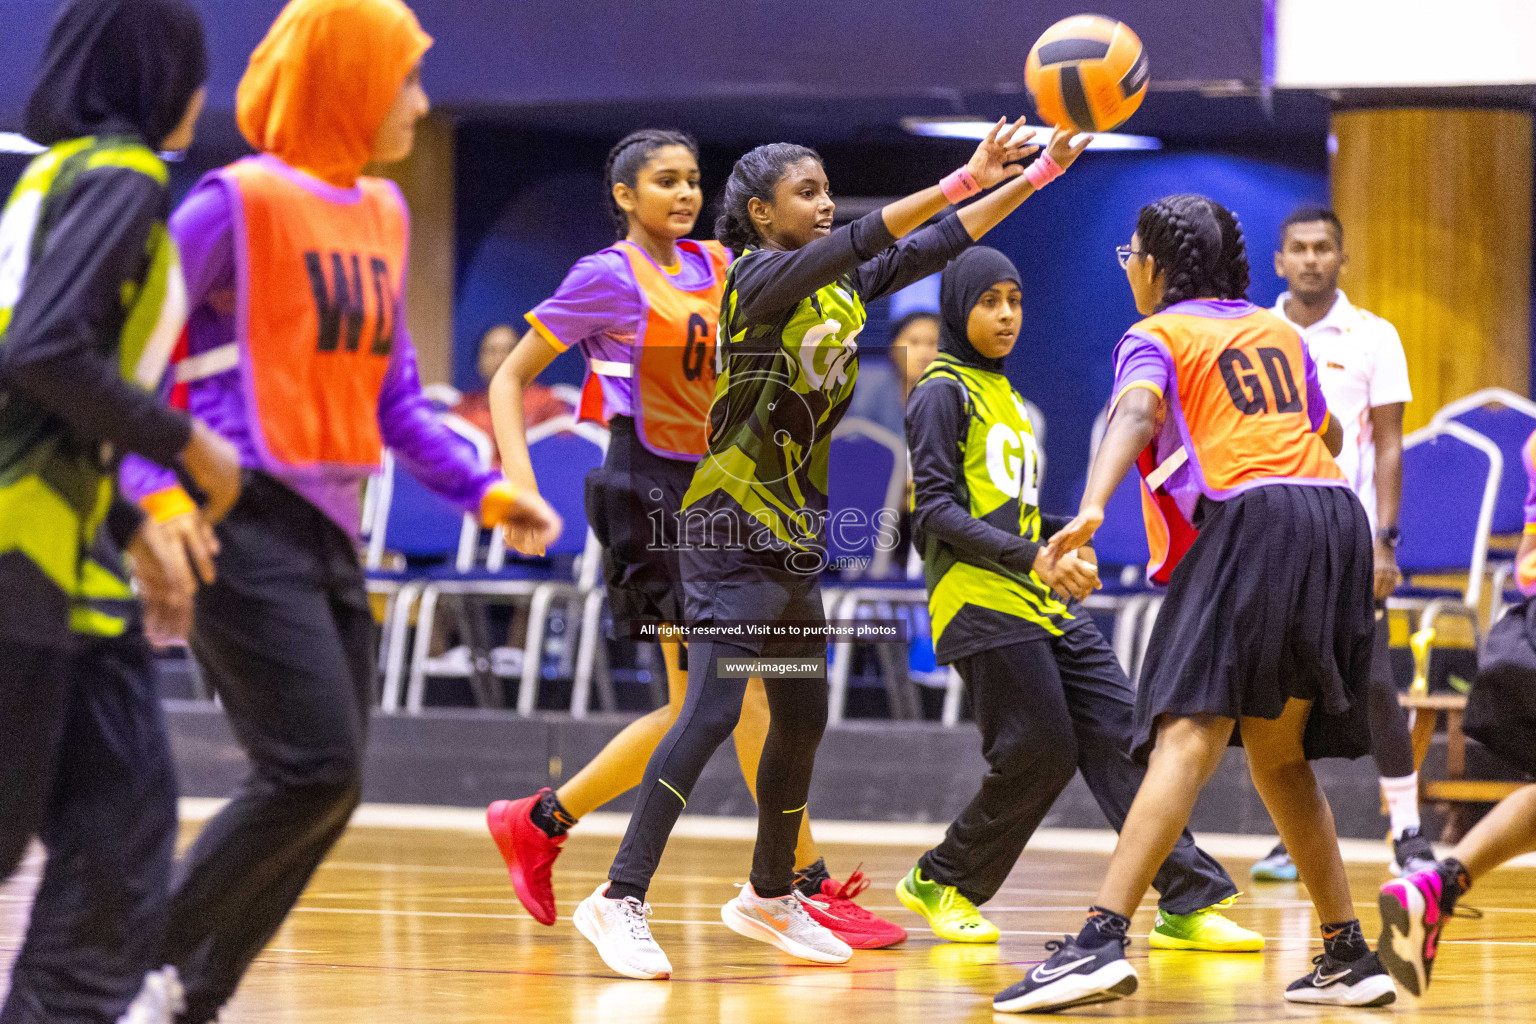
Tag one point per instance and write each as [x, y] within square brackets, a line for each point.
[629, 156]
[1185, 235]
[1232, 270]
[755, 176]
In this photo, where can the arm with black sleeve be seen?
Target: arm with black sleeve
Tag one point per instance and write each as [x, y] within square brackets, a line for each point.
[936, 419]
[73, 299]
[773, 281]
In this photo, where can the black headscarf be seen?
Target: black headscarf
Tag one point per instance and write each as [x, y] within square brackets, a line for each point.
[118, 67]
[965, 280]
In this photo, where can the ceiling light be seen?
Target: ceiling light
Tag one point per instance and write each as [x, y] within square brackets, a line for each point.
[976, 128]
[10, 142]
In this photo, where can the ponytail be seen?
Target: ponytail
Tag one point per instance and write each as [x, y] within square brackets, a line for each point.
[1232, 270]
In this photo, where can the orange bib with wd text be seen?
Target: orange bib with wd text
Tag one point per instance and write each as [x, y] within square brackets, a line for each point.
[319, 274]
[674, 360]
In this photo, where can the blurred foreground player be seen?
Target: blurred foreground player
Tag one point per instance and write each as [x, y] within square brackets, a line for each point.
[91, 303]
[298, 351]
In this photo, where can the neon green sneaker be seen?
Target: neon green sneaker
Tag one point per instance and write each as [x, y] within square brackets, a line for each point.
[1206, 929]
[951, 916]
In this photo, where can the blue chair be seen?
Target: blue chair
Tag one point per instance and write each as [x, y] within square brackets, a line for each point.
[1450, 488]
[866, 481]
[1506, 419]
[425, 535]
[562, 452]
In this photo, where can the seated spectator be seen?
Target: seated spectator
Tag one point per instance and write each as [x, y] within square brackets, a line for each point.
[884, 385]
[540, 402]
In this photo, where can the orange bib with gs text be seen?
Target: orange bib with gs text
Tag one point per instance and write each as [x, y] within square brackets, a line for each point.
[673, 367]
[319, 273]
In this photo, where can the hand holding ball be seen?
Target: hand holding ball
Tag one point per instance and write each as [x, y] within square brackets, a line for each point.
[1088, 73]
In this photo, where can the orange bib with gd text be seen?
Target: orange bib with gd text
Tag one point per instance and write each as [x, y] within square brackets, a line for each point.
[319, 272]
[674, 360]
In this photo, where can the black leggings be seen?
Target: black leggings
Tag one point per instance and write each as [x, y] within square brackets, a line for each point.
[1047, 709]
[1391, 744]
[798, 710]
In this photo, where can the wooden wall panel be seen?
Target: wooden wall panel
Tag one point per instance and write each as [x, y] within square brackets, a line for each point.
[426, 178]
[1436, 206]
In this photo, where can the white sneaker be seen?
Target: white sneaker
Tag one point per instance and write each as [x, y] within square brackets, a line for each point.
[783, 922]
[619, 930]
[160, 999]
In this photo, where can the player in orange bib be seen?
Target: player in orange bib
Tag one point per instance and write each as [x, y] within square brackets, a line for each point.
[643, 312]
[1265, 634]
[298, 354]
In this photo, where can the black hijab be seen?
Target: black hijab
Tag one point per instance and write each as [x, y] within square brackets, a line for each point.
[118, 67]
[965, 280]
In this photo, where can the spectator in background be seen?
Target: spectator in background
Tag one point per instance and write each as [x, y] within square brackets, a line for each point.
[540, 402]
[884, 386]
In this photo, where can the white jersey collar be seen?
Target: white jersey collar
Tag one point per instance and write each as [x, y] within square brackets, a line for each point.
[1341, 315]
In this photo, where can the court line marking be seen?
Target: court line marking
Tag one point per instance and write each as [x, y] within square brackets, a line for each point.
[381, 912]
[608, 825]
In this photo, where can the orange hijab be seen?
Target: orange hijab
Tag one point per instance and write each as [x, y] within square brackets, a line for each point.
[322, 81]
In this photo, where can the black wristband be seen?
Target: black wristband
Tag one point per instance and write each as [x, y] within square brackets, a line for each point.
[1391, 536]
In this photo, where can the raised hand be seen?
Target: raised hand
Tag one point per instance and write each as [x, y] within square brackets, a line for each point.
[995, 159]
[1066, 146]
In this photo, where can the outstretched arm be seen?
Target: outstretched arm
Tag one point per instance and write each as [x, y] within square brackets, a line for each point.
[772, 282]
[929, 250]
[935, 420]
[445, 462]
[989, 211]
[1131, 428]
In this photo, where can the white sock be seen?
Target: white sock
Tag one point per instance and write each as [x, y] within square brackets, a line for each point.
[1402, 802]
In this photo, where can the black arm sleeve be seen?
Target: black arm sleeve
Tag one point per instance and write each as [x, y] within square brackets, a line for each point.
[935, 418]
[123, 521]
[772, 282]
[1051, 525]
[73, 299]
[923, 252]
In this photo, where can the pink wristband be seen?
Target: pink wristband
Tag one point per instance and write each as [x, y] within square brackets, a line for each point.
[959, 186]
[1043, 171]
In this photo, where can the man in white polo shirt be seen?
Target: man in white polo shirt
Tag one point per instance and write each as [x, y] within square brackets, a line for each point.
[1364, 376]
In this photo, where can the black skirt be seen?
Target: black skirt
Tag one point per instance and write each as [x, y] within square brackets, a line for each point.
[1272, 601]
[632, 503]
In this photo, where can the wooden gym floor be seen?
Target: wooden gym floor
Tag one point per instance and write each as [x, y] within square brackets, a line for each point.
[420, 925]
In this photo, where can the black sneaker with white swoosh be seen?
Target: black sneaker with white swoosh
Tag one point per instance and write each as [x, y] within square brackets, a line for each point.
[1074, 975]
[1363, 982]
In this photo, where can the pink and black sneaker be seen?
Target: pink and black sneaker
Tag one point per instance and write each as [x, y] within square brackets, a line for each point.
[1413, 910]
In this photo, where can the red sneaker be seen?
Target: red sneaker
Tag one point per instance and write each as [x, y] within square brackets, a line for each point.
[529, 853]
[851, 922]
